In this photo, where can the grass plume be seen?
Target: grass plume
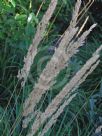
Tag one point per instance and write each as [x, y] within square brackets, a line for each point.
[41, 28]
[73, 84]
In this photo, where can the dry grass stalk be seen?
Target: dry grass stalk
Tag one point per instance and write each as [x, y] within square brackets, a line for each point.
[27, 120]
[75, 14]
[46, 79]
[28, 60]
[74, 45]
[56, 115]
[57, 63]
[54, 118]
[44, 82]
[80, 76]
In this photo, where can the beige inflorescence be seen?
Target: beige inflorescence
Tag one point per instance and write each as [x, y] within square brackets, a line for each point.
[68, 46]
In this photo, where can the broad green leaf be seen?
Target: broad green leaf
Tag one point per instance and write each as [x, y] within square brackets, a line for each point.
[20, 17]
[32, 17]
[13, 3]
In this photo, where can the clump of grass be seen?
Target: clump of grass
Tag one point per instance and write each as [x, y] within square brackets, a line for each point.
[68, 46]
[67, 119]
[23, 74]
